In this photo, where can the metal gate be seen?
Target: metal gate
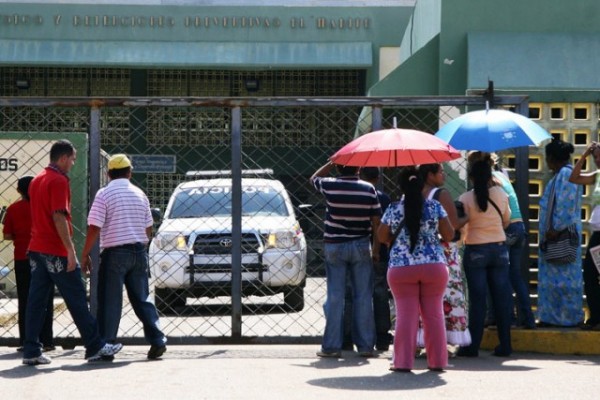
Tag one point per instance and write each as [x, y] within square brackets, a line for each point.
[240, 269]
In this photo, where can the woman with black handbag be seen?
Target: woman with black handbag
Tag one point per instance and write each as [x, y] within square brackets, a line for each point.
[591, 284]
[485, 258]
[560, 289]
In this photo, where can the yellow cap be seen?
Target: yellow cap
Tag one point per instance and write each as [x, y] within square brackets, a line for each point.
[118, 161]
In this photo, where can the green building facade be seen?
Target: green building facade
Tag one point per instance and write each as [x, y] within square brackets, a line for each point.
[545, 49]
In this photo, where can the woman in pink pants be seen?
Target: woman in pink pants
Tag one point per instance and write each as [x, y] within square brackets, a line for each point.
[417, 273]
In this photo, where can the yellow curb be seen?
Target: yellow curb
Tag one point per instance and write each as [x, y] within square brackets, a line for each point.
[548, 340]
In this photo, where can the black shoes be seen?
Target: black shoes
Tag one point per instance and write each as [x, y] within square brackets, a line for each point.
[400, 369]
[467, 352]
[156, 352]
[589, 326]
[498, 352]
[329, 354]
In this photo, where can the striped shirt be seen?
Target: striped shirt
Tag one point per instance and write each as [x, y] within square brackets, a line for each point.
[122, 211]
[351, 203]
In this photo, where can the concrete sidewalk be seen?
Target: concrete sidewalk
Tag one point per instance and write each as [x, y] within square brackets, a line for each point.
[292, 372]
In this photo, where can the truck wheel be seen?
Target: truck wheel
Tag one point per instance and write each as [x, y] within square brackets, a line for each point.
[294, 298]
[168, 301]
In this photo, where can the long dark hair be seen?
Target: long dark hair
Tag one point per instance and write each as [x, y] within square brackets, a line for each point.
[481, 175]
[411, 185]
[426, 169]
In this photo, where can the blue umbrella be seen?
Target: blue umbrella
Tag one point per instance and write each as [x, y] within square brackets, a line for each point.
[492, 130]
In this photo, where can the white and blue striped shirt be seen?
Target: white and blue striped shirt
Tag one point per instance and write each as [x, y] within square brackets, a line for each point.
[122, 211]
[351, 203]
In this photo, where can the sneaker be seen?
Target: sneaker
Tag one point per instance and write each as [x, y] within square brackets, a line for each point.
[366, 354]
[107, 350]
[156, 352]
[41, 359]
[48, 348]
[329, 354]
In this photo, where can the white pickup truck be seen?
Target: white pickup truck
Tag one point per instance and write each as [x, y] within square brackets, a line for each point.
[190, 255]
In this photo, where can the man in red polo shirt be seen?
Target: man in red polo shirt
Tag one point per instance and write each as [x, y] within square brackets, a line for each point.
[53, 260]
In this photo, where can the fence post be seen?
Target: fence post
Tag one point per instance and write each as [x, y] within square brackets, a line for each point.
[522, 187]
[376, 118]
[94, 182]
[236, 222]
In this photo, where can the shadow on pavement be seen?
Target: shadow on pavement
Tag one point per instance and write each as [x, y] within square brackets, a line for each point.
[389, 381]
[21, 371]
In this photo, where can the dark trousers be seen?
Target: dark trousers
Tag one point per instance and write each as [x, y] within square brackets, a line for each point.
[381, 307]
[23, 278]
[591, 286]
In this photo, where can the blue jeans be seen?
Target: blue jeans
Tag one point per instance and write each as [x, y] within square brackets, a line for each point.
[126, 265]
[46, 271]
[23, 278]
[525, 317]
[519, 285]
[353, 257]
[487, 265]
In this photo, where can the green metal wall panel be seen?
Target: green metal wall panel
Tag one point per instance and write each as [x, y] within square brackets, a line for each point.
[185, 54]
[418, 76]
[459, 17]
[54, 29]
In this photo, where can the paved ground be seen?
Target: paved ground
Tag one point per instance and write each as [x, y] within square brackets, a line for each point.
[293, 372]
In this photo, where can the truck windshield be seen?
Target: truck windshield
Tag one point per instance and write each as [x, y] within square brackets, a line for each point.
[216, 202]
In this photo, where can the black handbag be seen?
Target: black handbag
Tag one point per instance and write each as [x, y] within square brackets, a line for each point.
[562, 249]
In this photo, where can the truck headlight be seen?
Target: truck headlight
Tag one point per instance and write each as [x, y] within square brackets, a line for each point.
[282, 240]
[170, 242]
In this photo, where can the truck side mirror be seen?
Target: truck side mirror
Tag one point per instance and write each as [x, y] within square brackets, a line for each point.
[156, 214]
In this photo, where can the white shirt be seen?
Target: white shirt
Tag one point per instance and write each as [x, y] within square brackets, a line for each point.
[122, 211]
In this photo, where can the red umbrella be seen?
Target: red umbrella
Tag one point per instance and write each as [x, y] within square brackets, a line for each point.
[395, 148]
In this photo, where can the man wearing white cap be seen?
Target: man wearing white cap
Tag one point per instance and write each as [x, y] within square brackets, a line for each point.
[120, 215]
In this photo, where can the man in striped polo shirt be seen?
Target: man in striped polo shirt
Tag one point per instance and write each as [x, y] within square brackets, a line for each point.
[353, 214]
[121, 217]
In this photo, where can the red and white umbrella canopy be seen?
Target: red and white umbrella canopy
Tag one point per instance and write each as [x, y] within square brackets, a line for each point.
[394, 148]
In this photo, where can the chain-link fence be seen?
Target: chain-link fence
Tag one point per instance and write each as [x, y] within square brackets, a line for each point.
[236, 253]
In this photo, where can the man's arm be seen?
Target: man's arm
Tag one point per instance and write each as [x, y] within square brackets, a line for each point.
[93, 232]
[323, 171]
[62, 227]
[576, 175]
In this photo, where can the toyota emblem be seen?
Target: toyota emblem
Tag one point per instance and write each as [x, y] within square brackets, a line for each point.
[226, 243]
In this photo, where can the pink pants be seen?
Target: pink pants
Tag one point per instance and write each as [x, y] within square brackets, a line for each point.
[419, 289]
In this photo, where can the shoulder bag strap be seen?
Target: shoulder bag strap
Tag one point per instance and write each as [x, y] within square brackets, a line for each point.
[551, 200]
[497, 209]
[434, 194]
